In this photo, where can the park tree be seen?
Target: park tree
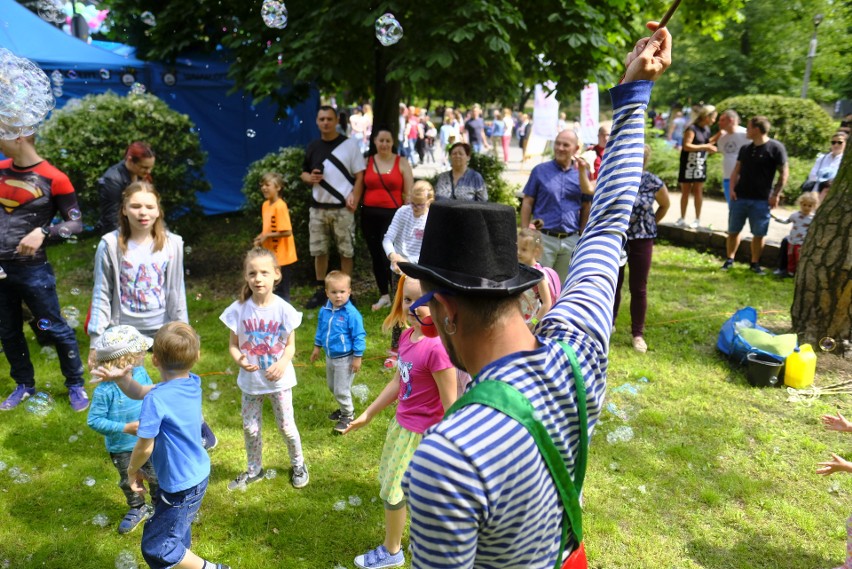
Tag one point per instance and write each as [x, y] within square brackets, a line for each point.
[459, 51]
[822, 303]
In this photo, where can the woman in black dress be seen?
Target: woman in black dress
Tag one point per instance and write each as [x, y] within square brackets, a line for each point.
[697, 144]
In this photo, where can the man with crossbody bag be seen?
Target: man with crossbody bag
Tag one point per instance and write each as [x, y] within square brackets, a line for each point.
[492, 484]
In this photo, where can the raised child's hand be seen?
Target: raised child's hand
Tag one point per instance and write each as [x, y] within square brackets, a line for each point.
[101, 373]
[836, 464]
[361, 421]
[838, 423]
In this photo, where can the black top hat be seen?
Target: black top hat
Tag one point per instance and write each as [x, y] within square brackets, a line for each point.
[472, 248]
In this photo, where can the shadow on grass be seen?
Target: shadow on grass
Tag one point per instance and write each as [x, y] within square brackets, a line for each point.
[757, 547]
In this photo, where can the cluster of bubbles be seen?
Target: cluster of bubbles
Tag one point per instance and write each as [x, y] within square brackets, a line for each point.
[89, 481]
[126, 560]
[251, 133]
[137, 89]
[40, 404]
[52, 11]
[18, 476]
[71, 314]
[388, 30]
[271, 474]
[25, 96]
[274, 14]
[100, 520]
[214, 395]
[622, 434]
[48, 353]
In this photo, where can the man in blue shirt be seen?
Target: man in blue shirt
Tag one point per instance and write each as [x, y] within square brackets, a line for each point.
[559, 193]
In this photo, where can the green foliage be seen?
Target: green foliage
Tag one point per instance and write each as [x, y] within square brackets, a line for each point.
[743, 56]
[84, 139]
[800, 124]
[491, 168]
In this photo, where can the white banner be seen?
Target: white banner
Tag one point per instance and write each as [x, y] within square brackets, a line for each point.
[545, 113]
[589, 114]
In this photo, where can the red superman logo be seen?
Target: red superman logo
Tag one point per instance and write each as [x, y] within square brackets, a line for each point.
[14, 193]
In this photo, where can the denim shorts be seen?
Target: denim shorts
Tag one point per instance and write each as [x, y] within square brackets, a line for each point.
[757, 213]
[168, 533]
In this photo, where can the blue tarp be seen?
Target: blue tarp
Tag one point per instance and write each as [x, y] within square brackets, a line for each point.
[200, 90]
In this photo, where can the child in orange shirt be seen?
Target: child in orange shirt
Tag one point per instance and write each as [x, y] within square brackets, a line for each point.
[277, 233]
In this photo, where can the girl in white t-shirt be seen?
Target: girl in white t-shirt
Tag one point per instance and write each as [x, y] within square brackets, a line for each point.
[263, 343]
[138, 270]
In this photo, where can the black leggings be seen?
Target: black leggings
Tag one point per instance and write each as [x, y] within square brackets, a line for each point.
[374, 224]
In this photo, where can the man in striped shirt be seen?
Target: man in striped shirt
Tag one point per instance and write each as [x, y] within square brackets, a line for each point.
[479, 491]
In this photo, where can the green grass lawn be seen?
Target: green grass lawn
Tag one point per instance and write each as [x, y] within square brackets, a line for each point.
[717, 475]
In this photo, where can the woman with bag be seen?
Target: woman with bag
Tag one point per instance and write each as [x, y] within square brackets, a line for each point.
[387, 182]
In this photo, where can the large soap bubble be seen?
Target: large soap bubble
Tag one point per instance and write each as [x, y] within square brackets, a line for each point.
[52, 11]
[388, 30]
[25, 96]
[274, 14]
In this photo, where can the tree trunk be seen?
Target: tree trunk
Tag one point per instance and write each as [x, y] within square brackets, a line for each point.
[822, 302]
[387, 95]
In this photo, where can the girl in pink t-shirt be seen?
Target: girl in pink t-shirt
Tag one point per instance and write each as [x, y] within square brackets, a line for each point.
[425, 386]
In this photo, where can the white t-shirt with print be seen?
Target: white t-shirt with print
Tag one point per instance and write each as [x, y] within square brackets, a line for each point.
[142, 283]
[262, 333]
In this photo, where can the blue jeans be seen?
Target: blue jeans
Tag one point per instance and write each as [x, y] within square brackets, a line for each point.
[757, 213]
[35, 285]
[726, 188]
[168, 533]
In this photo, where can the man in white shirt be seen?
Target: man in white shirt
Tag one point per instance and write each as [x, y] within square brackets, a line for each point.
[733, 138]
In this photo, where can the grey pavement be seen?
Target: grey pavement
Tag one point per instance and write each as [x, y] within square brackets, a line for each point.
[714, 211]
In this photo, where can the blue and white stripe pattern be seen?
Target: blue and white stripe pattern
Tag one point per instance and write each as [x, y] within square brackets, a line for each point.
[480, 493]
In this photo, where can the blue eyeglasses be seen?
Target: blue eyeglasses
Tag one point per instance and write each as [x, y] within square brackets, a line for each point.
[423, 301]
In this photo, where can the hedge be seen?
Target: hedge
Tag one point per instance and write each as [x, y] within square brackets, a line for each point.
[91, 134]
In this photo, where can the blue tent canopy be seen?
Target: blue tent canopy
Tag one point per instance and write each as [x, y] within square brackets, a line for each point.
[196, 86]
[25, 34]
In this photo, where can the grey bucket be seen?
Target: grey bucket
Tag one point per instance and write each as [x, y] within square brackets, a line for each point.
[763, 370]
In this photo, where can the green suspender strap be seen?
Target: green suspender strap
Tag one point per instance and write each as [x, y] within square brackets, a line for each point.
[509, 401]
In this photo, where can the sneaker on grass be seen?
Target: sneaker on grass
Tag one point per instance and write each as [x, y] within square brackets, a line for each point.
[244, 480]
[208, 438]
[134, 517]
[318, 299]
[79, 399]
[300, 476]
[334, 415]
[727, 264]
[21, 393]
[380, 558]
[343, 423]
[756, 269]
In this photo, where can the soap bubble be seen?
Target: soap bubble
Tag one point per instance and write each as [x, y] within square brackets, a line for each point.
[25, 96]
[73, 439]
[70, 312]
[75, 291]
[354, 501]
[44, 324]
[72, 74]
[137, 89]
[271, 473]
[339, 506]
[213, 385]
[214, 396]
[388, 30]
[89, 481]
[51, 11]
[622, 434]
[74, 214]
[827, 344]
[57, 92]
[251, 133]
[148, 19]
[40, 404]
[64, 232]
[105, 74]
[126, 560]
[2, 466]
[360, 391]
[21, 478]
[274, 14]
[187, 250]
[56, 78]
[100, 520]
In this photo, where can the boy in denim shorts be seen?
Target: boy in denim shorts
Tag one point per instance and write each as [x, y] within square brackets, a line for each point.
[171, 418]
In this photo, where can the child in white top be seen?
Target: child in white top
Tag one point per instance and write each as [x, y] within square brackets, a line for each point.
[402, 243]
[801, 221]
[263, 343]
[535, 302]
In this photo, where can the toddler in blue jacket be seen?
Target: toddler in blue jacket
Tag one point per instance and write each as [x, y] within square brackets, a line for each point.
[341, 334]
[116, 416]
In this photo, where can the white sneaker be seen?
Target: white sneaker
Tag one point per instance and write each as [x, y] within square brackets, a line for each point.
[680, 223]
[695, 224]
[639, 344]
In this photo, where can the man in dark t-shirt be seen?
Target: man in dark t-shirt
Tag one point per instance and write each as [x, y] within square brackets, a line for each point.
[475, 129]
[752, 192]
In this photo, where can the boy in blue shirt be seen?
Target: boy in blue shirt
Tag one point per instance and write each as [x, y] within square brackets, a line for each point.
[341, 334]
[169, 427]
[116, 416]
